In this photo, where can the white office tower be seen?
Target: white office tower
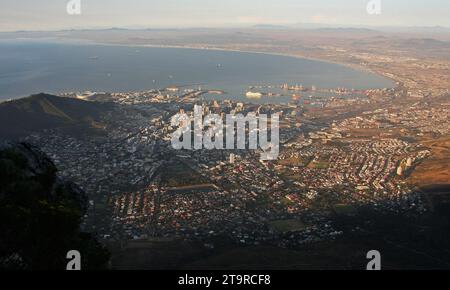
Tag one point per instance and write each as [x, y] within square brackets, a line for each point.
[232, 158]
[399, 171]
[409, 162]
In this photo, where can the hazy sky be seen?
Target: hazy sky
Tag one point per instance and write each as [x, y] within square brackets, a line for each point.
[51, 14]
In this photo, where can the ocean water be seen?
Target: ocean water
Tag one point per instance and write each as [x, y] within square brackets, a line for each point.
[33, 66]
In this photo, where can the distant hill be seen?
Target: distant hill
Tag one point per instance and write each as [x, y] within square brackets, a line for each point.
[346, 30]
[21, 117]
[426, 43]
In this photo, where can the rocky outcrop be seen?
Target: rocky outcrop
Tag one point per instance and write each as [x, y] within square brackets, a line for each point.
[40, 213]
[39, 167]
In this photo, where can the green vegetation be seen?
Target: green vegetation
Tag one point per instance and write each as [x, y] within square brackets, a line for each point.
[344, 209]
[285, 226]
[179, 175]
[319, 165]
[293, 161]
[263, 200]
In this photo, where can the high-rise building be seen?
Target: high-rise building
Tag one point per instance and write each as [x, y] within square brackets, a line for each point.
[232, 158]
[409, 162]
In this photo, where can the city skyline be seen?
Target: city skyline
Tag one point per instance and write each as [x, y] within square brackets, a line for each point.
[52, 14]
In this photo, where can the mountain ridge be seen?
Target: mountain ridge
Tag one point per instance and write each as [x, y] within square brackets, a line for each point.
[44, 111]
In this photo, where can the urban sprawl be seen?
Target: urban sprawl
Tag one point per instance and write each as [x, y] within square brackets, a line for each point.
[337, 154]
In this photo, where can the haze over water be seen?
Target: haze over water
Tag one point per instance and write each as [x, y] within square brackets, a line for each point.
[30, 66]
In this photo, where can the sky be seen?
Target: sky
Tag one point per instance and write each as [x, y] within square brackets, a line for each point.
[52, 14]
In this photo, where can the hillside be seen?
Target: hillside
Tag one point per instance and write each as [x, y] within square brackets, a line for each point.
[21, 117]
[40, 214]
[436, 169]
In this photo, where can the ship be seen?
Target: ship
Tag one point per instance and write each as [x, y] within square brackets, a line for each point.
[296, 97]
[253, 95]
[297, 88]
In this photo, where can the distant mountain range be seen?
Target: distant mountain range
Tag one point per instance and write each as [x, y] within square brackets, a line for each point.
[270, 26]
[346, 30]
[425, 43]
[21, 117]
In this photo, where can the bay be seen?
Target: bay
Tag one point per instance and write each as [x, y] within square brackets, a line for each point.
[33, 66]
